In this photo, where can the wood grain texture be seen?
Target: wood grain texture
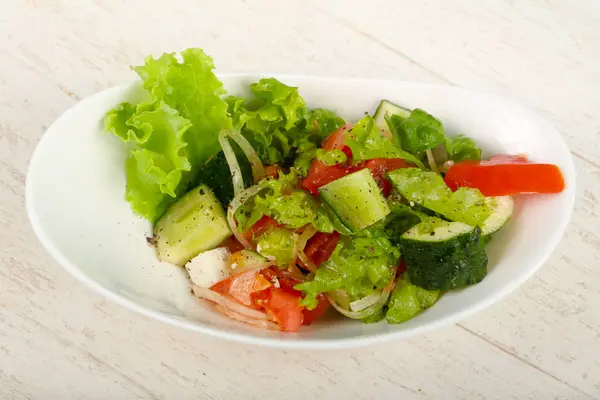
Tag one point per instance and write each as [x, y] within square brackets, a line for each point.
[60, 340]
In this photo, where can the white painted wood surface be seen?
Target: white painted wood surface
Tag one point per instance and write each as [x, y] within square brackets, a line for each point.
[60, 340]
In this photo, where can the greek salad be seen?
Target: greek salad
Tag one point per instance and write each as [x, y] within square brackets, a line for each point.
[279, 212]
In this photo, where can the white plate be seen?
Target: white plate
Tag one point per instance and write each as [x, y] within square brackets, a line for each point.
[75, 200]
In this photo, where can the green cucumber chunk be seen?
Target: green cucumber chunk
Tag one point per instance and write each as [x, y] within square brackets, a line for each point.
[356, 200]
[193, 224]
[442, 255]
[502, 209]
[385, 110]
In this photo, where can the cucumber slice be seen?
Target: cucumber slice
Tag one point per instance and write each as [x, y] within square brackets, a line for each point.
[193, 224]
[386, 109]
[245, 259]
[502, 209]
[442, 255]
[356, 200]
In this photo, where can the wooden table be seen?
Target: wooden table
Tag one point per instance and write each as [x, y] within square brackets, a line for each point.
[60, 340]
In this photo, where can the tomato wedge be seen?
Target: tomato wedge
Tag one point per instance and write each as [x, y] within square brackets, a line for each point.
[379, 166]
[320, 174]
[260, 227]
[284, 307]
[232, 244]
[311, 315]
[290, 316]
[246, 283]
[320, 246]
[506, 175]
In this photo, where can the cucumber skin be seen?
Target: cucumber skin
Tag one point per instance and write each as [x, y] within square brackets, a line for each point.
[452, 264]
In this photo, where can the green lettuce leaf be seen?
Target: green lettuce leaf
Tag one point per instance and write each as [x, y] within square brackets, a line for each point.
[400, 220]
[359, 265]
[174, 134]
[277, 244]
[118, 122]
[429, 190]
[323, 121]
[419, 132]
[366, 141]
[282, 201]
[266, 119]
[191, 88]
[319, 125]
[408, 300]
[159, 161]
[331, 157]
[461, 148]
[278, 124]
[279, 100]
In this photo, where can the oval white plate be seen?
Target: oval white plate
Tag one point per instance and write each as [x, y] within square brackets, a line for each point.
[75, 200]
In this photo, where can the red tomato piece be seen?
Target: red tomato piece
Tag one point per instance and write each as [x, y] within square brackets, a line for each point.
[379, 166]
[311, 315]
[285, 307]
[286, 281]
[506, 175]
[222, 287]
[240, 287]
[286, 284]
[402, 266]
[232, 244]
[336, 139]
[260, 227]
[320, 247]
[320, 174]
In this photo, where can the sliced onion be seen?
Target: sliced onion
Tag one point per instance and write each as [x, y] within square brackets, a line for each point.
[304, 238]
[295, 249]
[361, 304]
[440, 153]
[382, 298]
[205, 293]
[258, 266]
[296, 273]
[431, 161]
[446, 166]
[238, 201]
[259, 323]
[234, 166]
[258, 171]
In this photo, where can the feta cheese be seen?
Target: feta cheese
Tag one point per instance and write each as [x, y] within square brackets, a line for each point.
[209, 267]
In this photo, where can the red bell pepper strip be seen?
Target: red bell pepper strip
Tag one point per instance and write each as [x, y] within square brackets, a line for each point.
[506, 175]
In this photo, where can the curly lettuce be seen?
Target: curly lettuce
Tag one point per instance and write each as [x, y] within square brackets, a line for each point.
[408, 300]
[429, 190]
[282, 201]
[366, 141]
[278, 124]
[175, 133]
[359, 265]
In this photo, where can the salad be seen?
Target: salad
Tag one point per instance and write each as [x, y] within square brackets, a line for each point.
[279, 212]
